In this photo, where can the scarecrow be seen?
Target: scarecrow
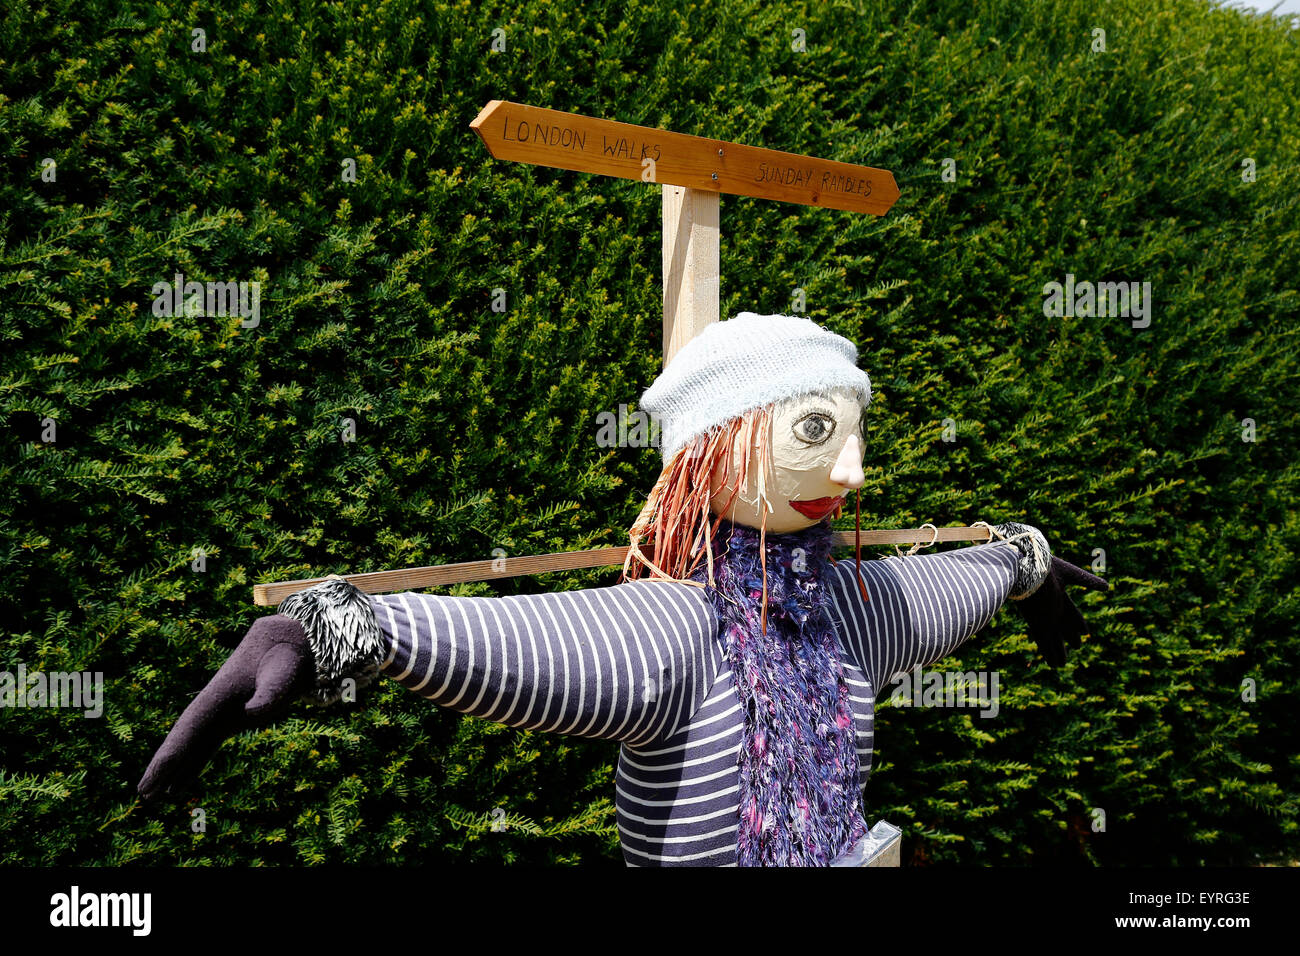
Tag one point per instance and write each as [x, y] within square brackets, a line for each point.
[737, 663]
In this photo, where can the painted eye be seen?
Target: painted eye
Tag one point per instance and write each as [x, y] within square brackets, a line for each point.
[814, 429]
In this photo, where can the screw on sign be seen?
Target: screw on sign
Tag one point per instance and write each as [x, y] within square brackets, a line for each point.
[730, 608]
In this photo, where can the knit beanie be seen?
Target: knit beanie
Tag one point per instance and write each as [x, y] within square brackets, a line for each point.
[745, 363]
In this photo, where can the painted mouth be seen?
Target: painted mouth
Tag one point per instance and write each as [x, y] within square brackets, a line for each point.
[817, 507]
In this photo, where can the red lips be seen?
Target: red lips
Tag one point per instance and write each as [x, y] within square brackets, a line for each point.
[817, 507]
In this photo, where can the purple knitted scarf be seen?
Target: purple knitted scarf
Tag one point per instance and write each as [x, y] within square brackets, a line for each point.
[799, 791]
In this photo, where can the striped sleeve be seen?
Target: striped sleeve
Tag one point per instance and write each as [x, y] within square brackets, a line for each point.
[629, 663]
[920, 608]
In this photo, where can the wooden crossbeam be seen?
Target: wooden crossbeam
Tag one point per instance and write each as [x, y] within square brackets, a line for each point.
[440, 575]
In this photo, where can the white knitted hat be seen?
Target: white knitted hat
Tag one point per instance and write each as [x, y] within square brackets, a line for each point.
[744, 363]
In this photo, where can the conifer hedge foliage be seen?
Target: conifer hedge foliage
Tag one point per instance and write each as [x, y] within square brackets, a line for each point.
[1171, 156]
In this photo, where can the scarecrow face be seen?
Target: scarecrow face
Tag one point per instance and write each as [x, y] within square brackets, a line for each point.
[816, 460]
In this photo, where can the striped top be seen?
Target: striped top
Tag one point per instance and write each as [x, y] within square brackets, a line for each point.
[641, 663]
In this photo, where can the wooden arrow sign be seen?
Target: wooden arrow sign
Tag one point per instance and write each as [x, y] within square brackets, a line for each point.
[542, 137]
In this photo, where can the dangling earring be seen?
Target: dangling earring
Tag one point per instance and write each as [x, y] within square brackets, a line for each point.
[762, 549]
[857, 542]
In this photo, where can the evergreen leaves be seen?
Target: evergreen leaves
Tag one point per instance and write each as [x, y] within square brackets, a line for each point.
[195, 441]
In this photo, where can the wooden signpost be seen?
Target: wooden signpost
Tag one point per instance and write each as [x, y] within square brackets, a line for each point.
[693, 172]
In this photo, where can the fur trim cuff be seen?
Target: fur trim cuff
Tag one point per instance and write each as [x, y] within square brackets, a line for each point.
[1035, 558]
[344, 636]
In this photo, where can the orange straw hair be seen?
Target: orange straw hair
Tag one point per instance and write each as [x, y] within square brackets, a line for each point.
[676, 516]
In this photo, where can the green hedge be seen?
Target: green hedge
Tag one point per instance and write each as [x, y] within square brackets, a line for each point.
[476, 430]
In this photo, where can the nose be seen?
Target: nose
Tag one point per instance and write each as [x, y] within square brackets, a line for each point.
[847, 470]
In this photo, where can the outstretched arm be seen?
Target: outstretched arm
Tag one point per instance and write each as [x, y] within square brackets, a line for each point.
[919, 608]
[628, 663]
[922, 608]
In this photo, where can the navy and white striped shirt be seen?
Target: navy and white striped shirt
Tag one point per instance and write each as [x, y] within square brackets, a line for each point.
[641, 663]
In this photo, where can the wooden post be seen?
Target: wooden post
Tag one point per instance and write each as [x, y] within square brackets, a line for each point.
[691, 264]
